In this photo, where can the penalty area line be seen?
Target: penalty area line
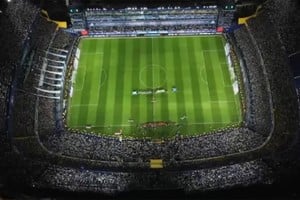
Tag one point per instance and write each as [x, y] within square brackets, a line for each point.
[92, 54]
[83, 105]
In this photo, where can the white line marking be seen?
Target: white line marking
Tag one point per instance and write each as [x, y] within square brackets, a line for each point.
[92, 54]
[84, 105]
[203, 74]
[83, 80]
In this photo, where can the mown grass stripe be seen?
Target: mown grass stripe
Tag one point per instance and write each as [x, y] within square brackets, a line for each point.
[211, 82]
[143, 79]
[96, 86]
[85, 94]
[128, 67]
[187, 84]
[203, 83]
[74, 101]
[163, 76]
[194, 78]
[156, 80]
[102, 100]
[220, 87]
[228, 108]
[135, 81]
[178, 70]
[119, 87]
[149, 78]
[170, 67]
[113, 68]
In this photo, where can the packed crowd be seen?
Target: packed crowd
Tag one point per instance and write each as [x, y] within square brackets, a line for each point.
[242, 174]
[12, 37]
[138, 152]
[41, 34]
[101, 21]
[82, 179]
[78, 21]
[286, 18]
[259, 111]
[226, 18]
[3, 104]
[49, 108]
[25, 100]
[22, 14]
[277, 69]
[159, 29]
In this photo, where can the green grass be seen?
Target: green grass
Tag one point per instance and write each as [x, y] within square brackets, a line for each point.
[111, 68]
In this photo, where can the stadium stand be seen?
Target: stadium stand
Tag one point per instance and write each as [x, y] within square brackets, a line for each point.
[285, 16]
[3, 103]
[12, 37]
[255, 84]
[57, 157]
[111, 182]
[41, 36]
[78, 20]
[178, 149]
[139, 21]
[278, 73]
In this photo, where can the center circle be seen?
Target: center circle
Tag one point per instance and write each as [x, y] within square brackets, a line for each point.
[153, 76]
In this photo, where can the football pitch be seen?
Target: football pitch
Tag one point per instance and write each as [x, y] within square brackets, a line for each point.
[153, 87]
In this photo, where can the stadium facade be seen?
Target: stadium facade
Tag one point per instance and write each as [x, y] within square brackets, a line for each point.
[39, 151]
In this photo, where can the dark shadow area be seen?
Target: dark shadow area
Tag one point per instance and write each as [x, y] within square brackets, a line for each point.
[275, 192]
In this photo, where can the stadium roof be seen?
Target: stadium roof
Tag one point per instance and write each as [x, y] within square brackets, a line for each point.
[95, 3]
[57, 10]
